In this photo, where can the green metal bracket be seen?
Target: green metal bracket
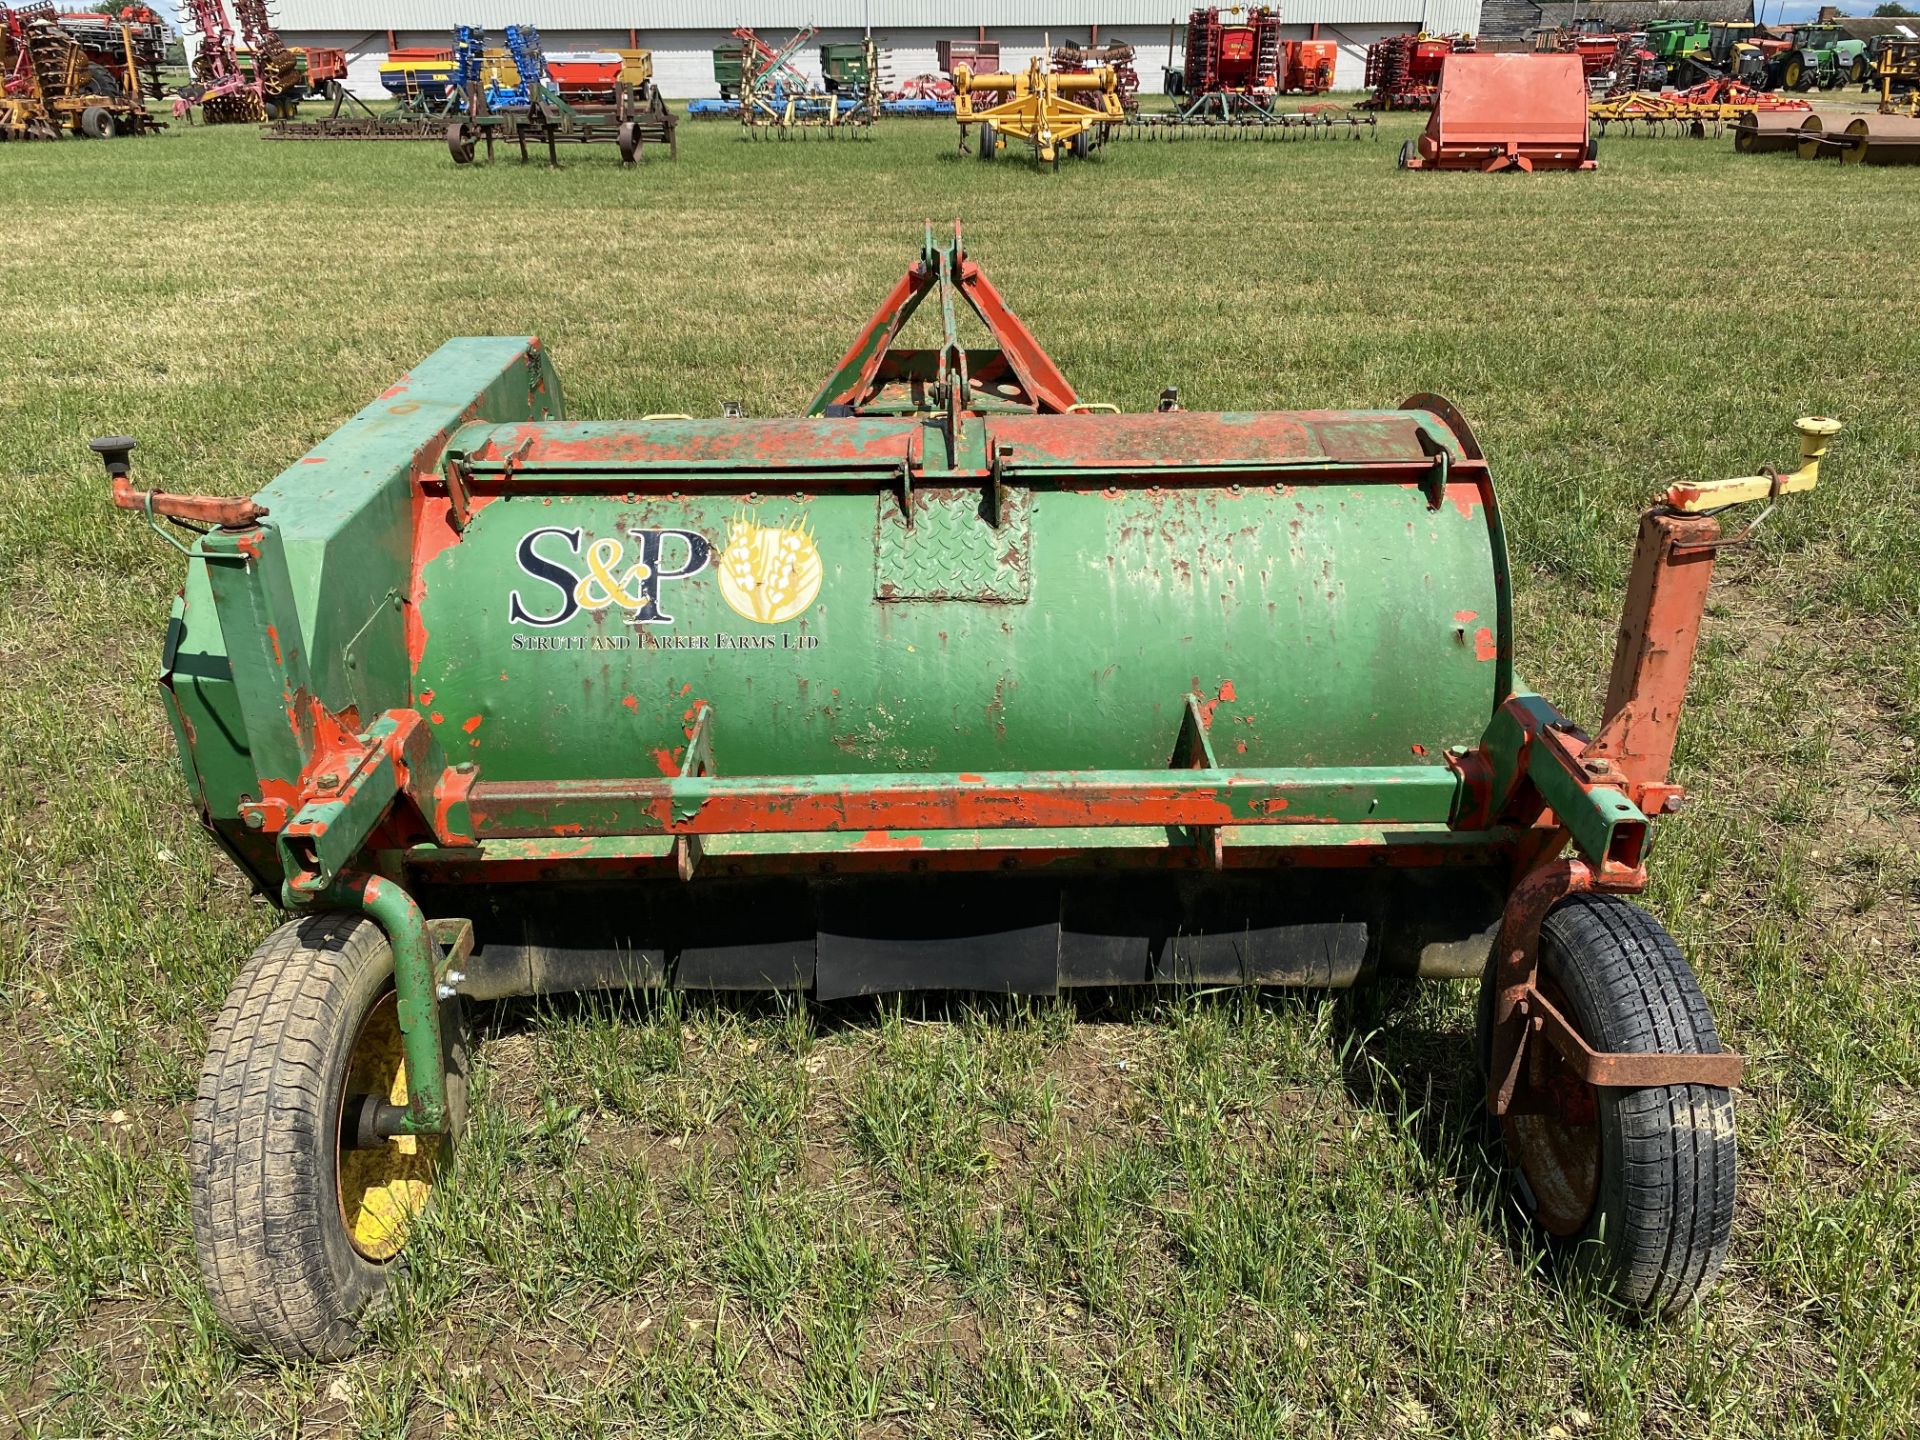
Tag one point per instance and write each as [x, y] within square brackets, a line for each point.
[419, 965]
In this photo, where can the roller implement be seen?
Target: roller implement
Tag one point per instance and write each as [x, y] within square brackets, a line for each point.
[956, 680]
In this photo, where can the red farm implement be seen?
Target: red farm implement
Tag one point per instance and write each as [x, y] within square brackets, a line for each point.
[956, 680]
[1403, 71]
[1507, 112]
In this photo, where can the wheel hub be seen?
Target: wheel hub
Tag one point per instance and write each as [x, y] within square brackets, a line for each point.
[383, 1186]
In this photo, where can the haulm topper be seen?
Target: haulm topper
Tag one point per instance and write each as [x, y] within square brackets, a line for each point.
[955, 680]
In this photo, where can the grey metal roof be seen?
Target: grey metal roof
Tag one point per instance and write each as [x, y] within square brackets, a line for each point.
[774, 16]
[1635, 14]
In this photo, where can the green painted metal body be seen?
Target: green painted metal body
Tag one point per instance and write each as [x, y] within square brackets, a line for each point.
[949, 623]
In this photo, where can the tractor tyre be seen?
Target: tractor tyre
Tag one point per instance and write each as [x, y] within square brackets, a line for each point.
[99, 123]
[297, 1223]
[460, 143]
[1793, 76]
[1861, 71]
[988, 142]
[1633, 1188]
[1083, 145]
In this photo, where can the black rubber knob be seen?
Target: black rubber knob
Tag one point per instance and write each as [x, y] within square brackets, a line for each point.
[114, 452]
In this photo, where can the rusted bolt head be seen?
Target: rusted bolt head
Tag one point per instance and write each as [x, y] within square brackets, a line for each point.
[253, 817]
[329, 781]
[1673, 804]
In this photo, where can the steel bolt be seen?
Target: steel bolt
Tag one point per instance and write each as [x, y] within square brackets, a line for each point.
[445, 992]
[330, 781]
[255, 819]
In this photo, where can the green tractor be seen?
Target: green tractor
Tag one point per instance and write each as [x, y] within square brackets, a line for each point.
[1678, 49]
[1819, 55]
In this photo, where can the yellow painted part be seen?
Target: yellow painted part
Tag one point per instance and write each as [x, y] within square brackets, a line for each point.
[383, 1189]
[497, 68]
[636, 66]
[1033, 105]
[1816, 433]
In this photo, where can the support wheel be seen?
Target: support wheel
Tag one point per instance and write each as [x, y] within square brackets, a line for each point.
[1083, 145]
[99, 123]
[628, 139]
[1632, 1187]
[460, 143]
[988, 140]
[1406, 153]
[296, 1222]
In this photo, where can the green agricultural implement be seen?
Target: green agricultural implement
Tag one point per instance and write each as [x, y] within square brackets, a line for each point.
[1822, 56]
[954, 681]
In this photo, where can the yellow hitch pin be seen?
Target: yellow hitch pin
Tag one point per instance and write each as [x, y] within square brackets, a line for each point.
[1816, 432]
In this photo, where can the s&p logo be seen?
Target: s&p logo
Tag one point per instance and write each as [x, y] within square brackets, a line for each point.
[604, 574]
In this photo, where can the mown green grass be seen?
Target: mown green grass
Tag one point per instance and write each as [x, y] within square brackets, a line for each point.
[1193, 1216]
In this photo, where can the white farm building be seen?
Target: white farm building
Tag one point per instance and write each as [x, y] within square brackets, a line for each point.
[682, 34]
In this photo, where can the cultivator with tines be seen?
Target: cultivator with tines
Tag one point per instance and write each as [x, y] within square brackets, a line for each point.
[276, 69]
[351, 118]
[531, 115]
[1247, 119]
[954, 681]
[777, 100]
[1705, 109]
[225, 95]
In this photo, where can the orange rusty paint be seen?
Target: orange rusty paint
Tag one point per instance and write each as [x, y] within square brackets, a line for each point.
[667, 760]
[630, 702]
[471, 724]
[437, 718]
[882, 840]
[1465, 496]
[273, 638]
[1466, 617]
[1225, 695]
[1484, 645]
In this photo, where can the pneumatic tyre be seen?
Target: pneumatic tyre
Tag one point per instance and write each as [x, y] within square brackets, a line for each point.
[99, 123]
[296, 1225]
[988, 142]
[1631, 1187]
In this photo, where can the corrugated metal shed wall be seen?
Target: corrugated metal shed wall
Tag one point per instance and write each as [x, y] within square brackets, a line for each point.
[682, 54]
[771, 16]
[683, 59]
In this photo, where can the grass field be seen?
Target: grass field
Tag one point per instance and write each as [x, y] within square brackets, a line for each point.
[1200, 1215]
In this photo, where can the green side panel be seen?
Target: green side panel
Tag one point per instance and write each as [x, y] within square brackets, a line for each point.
[344, 513]
[1321, 624]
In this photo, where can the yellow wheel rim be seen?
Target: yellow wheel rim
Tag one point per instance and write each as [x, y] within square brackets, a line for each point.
[382, 1188]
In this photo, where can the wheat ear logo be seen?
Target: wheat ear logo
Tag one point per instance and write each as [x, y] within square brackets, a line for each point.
[769, 573]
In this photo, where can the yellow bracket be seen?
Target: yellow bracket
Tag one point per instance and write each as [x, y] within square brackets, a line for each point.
[1816, 432]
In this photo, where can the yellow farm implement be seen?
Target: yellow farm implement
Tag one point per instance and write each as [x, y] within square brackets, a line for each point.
[1046, 109]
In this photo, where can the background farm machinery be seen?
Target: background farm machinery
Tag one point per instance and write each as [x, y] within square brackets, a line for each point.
[1234, 70]
[1403, 71]
[777, 99]
[1896, 73]
[1052, 113]
[527, 108]
[85, 75]
[1885, 138]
